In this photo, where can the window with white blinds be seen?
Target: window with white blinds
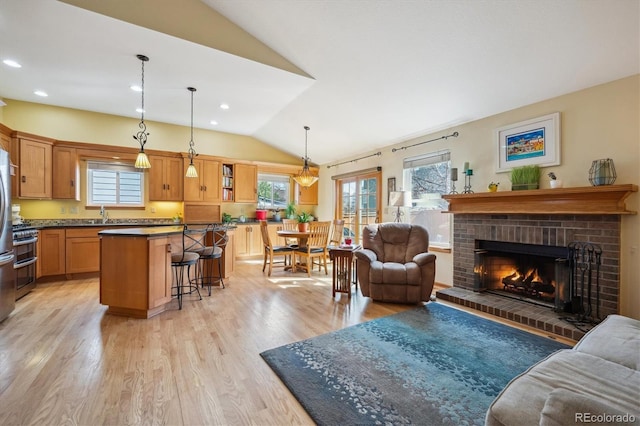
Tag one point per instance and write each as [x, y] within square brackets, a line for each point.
[428, 178]
[114, 184]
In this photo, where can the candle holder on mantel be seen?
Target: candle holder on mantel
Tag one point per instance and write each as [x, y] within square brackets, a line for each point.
[467, 181]
[454, 179]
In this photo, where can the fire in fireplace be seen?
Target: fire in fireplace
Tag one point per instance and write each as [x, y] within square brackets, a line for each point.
[524, 271]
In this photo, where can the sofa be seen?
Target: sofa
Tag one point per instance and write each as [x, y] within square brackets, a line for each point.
[597, 382]
[394, 264]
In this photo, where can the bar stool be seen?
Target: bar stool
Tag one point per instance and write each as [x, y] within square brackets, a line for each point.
[180, 259]
[212, 253]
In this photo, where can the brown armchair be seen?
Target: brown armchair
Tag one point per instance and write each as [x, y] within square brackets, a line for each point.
[394, 264]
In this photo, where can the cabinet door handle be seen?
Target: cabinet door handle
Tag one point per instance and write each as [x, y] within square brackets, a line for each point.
[72, 183]
[205, 187]
[168, 186]
[24, 179]
[168, 248]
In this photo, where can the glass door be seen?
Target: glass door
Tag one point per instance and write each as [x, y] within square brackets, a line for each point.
[358, 203]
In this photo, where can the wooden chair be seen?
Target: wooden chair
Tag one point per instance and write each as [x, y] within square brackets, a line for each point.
[270, 250]
[337, 228]
[316, 245]
[290, 225]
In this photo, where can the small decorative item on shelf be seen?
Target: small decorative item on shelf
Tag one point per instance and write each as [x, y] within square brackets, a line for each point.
[454, 179]
[467, 179]
[493, 186]
[303, 221]
[602, 172]
[554, 182]
[525, 177]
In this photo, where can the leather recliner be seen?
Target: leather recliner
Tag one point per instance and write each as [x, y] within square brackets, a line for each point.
[394, 264]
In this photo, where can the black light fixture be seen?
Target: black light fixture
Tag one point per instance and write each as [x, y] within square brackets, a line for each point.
[192, 172]
[305, 177]
[142, 161]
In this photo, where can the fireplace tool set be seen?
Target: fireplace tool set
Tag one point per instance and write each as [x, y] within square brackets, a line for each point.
[584, 274]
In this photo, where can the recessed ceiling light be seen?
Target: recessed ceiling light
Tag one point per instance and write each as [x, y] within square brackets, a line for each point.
[12, 63]
[214, 123]
[41, 93]
[136, 88]
[140, 110]
[224, 106]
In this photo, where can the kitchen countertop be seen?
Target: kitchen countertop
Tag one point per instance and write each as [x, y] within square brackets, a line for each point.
[147, 231]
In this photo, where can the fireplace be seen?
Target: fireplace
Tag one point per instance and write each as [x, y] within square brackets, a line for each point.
[526, 272]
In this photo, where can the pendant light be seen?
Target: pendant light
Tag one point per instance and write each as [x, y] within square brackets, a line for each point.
[191, 170]
[305, 177]
[142, 161]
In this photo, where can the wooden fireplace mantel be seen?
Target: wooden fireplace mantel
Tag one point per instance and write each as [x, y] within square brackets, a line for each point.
[605, 199]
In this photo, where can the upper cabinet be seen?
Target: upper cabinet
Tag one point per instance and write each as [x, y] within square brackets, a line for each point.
[239, 183]
[165, 178]
[306, 196]
[205, 187]
[246, 183]
[66, 173]
[33, 156]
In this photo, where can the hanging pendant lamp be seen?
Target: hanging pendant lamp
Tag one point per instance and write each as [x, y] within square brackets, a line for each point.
[305, 177]
[192, 172]
[142, 161]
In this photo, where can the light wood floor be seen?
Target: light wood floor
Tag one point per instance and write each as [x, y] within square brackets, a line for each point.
[63, 360]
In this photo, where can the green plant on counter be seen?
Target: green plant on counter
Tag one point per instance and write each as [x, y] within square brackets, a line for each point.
[290, 211]
[525, 177]
[226, 218]
[177, 217]
[304, 217]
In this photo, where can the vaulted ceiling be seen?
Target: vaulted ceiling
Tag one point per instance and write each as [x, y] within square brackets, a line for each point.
[361, 73]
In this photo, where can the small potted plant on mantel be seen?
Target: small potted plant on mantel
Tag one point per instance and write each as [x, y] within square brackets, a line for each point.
[303, 221]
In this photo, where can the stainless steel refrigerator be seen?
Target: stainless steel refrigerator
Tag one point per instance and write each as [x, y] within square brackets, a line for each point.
[7, 273]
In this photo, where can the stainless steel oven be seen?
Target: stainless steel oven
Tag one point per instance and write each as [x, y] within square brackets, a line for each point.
[24, 247]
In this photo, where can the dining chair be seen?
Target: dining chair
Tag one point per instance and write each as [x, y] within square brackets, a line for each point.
[270, 250]
[290, 225]
[316, 245]
[337, 227]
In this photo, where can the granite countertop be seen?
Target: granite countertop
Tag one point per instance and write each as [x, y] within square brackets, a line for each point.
[147, 231]
[90, 223]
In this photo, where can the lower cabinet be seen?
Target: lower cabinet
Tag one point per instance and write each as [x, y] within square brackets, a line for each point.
[82, 250]
[248, 241]
[52, 252]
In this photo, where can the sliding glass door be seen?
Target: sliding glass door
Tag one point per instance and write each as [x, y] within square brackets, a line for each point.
[358, 202]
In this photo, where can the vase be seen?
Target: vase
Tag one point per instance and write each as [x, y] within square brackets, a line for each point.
[303, 226]
[556, 183]
[523, 186]
[276, 217]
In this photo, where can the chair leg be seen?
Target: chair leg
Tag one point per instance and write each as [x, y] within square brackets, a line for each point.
[270, 261]
[264, 261]
[178, 280]
[219, 274]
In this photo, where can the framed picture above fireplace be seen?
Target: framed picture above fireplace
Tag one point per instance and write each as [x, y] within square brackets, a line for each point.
[530, 142]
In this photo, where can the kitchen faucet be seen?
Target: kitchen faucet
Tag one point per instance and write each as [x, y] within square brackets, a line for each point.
[104, 214]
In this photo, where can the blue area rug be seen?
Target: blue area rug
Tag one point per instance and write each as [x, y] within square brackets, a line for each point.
[433, 365]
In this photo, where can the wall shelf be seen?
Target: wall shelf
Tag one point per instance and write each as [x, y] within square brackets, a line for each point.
[606, 199]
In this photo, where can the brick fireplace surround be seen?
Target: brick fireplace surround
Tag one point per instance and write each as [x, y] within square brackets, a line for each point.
[544, 217]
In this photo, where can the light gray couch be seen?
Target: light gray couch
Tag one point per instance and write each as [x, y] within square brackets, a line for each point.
[598, 377]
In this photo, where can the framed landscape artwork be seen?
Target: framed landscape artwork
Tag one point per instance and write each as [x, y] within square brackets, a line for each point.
[391, 186]
[530, 142]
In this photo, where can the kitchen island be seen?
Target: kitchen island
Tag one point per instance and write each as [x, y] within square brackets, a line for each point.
[135, 269]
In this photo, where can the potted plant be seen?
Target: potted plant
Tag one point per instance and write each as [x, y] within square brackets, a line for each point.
[290, 211]
[303, 221]
[554, 182]
[525, 177]
[493, 186]
[226, 218]
[177, 218]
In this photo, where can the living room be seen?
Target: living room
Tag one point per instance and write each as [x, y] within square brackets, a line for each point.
[596, 122]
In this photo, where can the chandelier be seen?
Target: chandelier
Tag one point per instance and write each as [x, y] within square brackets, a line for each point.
[191, 170]
[142, 161]
[305, 177]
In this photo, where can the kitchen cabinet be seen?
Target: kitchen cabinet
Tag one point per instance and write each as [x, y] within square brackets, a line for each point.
[246, 183]
[227, 182]
[165, 178]
[66, 173]
[82, 252]
[248, 240]
[52, 254]
[205, 187]
[306, 196]
[33, 156]
[135, 273]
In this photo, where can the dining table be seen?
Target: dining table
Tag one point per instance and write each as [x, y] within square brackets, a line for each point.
[301, 236]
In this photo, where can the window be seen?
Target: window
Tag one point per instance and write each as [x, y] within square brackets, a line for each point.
[114, 184]
[358, 200]
[428, 178]
[273, 191]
